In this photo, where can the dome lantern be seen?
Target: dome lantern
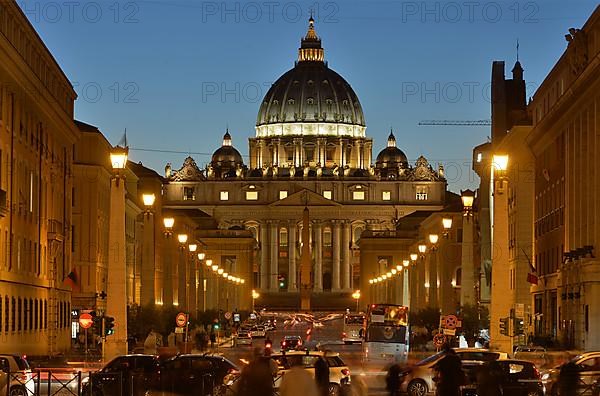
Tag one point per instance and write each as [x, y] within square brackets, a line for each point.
[227, 138]
[310, 46]
[391, 140]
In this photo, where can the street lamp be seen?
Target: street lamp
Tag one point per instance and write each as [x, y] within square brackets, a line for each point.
[192, 247]
[406, 263]
[422, 249]
[356, 296]
[209, 262]
[116, 304]
[467, 197]
[255, 295]
[414, 257]
[168, 222]
[148, 200]
[433, 239]
[182, 238]
[201, 256]
[447, 225]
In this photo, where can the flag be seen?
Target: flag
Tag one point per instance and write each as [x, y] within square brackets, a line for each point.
[73, 280]
[532, 278]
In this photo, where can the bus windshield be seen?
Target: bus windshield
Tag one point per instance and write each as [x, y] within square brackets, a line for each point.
[354, 319]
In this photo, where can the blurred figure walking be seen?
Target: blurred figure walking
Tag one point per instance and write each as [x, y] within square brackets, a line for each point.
[568, 379]
[322, 376]
[449, 375]
[392, 380]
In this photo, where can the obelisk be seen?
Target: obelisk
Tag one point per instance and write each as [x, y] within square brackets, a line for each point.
[305, 264]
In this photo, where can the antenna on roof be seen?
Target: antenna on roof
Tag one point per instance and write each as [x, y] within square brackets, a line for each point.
[517, 50]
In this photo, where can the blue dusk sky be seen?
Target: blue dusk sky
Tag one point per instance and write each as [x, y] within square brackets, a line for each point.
[176, 73]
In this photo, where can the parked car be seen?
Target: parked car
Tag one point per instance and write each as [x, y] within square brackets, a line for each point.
[243, 338]
[291, 342]
[417, 380]
[126, 374]
[534, 354]
[195, 374]
[518, 378]
[588, 365]
[339, 373]
[21, 379]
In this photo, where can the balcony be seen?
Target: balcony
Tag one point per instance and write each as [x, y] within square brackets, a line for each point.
[56, 231]
[3, 205]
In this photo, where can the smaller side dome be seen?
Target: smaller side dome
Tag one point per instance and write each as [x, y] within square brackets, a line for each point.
[391, 156]
[226, 157]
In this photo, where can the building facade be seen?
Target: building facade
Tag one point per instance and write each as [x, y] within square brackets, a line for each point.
[37, 134]
[310, 151]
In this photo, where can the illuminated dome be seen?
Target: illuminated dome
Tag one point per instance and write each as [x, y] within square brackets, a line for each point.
[391, 156]
[310, 99]
[226, 156]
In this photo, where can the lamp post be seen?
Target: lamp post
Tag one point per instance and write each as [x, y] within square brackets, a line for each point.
[255, 295]
[148, 272]
[446, 225]
[191, 280]
[201, 274]
[356, 296]
[116, 299]
[181, 289]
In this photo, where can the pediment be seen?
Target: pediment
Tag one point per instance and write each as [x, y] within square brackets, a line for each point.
[305, 198]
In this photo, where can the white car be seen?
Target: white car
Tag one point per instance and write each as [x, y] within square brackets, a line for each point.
[258, 332]
[21, 379]
[339, 373]
[243, 338]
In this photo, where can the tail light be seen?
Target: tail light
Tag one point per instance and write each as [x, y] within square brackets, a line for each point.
[344, 335]
[537, 373]
[283, 343]
[345, 372]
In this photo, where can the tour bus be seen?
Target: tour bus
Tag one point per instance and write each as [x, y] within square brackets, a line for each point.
[354, 325]
[387, 335]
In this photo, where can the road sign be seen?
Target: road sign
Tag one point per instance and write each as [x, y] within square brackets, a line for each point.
[439, 340]
[451, 322]
[520, 310]
[181, 319]
[178, 330]
[86, 321]
[236, 317]
[450, 332]
[227, 315]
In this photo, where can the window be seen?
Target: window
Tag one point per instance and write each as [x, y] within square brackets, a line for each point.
[479, 157]
[386, 195]
[421, 193]
[251, 195]
[283, 194]
[283, 237]
[358, 195]
[327, 237]
[327, 194]
[224, 196]
[188, 194]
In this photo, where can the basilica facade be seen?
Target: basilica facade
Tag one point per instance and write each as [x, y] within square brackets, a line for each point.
[310, 151]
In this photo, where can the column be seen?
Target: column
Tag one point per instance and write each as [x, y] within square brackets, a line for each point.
[264, 257]
[192, 287]
[116, 300]
[318, 283]
[292, 256]
[335, 276]
[274, 270]
[168, 270]
[182, 279]
[467, 289]
[346, 254]
[341, 160]
[147, 281]
[433, 279]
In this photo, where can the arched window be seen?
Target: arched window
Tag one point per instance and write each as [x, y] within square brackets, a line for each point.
[283, 237]
[356, 234]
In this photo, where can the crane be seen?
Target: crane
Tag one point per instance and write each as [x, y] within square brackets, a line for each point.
[456, 122]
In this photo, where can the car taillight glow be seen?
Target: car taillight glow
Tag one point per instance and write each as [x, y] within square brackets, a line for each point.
[283, 343]
[345, 372]
[344, 335]
[537, 373]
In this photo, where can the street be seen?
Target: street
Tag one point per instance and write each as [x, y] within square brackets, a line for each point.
[328, 337]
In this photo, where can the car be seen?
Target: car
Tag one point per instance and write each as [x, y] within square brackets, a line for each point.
[418, 379]
[588, 365]
[291, 342]
[534, 354]
[258, 332]
[21, 378]
[243, 338]
[122, 374]
[516, 377]
[196, 374]
[339, 373]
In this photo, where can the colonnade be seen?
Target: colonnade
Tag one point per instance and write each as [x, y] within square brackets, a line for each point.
[339, 250]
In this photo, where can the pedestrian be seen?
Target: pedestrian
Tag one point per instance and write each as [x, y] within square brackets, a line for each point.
[150, 343]
[489, 379]
[298, 381]
[322, 376]
[449, 375]
[257, 377]
[213, 339]
[392, 380]
[568, 379]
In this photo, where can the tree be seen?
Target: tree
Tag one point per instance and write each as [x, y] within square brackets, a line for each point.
[474, 319]
[428, 318]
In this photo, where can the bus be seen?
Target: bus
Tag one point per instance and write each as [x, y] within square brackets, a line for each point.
[387, 335]
[354, 325]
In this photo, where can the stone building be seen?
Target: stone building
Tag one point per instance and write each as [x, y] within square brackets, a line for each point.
[310, 151]
[37, 134]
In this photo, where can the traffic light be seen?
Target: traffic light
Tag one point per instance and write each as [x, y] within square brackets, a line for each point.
[109, 325]
[519, 327]
[282, 282]
[216, 326]
[96, 323]
[504, 326]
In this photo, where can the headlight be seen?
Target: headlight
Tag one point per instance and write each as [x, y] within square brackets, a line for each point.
[85, 381]
[545, 376]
